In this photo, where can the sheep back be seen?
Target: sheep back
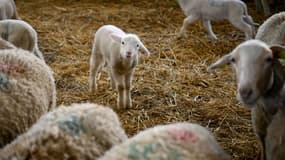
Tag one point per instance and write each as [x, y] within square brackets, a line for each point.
[78, 132]
[183, 141]
[27, 91]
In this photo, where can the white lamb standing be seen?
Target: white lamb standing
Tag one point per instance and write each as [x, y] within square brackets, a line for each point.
[179, 141]
[119, 51]
[8, 10]
[21, 34]
[234, 11]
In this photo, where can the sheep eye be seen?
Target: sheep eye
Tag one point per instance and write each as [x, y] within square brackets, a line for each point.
[123, 43]
[233, 60]
[137, 45]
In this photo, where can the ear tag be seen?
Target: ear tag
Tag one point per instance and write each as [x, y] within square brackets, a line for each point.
[282, 55]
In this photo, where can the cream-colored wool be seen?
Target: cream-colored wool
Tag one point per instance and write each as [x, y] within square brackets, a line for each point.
[77, 132]
[180, 141]
[21, 34]
[8, 10]
[272, 31]
[27, 91]
[5, 44]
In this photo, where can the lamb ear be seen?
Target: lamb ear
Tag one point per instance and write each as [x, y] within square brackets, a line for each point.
[225, 60]
[278, 51]
[116, 37]
[144, 49]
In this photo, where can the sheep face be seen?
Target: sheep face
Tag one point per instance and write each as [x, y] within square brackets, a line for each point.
[253, 63]
[129, 45]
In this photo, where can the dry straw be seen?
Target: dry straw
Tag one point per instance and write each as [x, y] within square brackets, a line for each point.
[170, 86]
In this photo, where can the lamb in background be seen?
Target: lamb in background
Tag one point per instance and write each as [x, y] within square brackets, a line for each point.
[235, 11]
[119, 52]
[260, 86]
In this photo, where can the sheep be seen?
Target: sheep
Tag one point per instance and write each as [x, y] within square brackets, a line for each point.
[183, 141]
[260, 82]
[5, 44]
[21, 34]
[119, 52]
[79, 132]
[272, 31]
[8, 10]
[275, 139]
[234, 11]
[27, 90]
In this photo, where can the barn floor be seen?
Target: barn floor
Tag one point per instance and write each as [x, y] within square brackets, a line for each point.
[170, 86]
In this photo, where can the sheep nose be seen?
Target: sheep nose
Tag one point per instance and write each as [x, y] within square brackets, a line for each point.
[129, 53]
[245, 92]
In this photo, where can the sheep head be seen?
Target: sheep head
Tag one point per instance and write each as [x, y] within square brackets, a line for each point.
[253, 62]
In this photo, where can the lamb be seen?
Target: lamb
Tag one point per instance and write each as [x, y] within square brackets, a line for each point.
[272, 31]
[8, 10]
[119, 52]
[260, 82]
[78, 132]
[27, 91]
[183, 141]
[235, 11]
[21, 34]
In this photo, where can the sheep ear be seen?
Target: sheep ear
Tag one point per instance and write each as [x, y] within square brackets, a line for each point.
[278, 51]
[144, 49]
[225, 60]
[116, 37]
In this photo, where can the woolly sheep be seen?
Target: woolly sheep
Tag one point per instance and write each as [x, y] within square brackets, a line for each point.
[21, 34]
[183, 141]
[260, 81]
[5, 44]
[27, 90]
[119, 51]
[272, 31]
[78, 132]
[234, 11]
[8, 10]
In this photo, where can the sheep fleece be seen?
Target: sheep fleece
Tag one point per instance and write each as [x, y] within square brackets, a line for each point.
[77, 132]
[27, 91]
[180, 141]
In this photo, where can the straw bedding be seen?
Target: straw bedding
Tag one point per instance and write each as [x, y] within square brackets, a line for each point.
[172, 85]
